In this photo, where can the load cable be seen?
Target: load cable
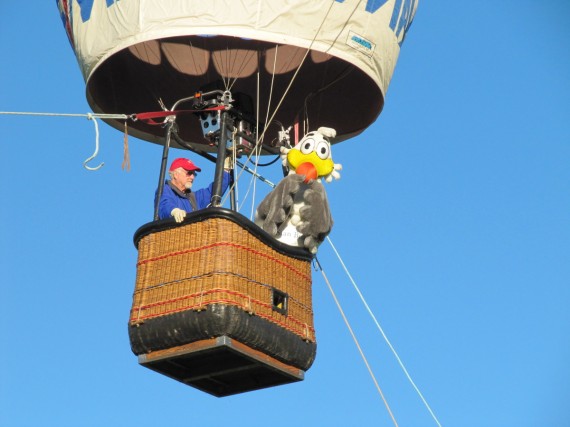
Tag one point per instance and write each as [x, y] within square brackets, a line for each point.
[357, 343]
[399, 360]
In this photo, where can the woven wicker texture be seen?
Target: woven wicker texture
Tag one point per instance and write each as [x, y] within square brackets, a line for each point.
[217, 261]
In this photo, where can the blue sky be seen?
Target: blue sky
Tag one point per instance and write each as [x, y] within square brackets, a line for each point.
[452, 215]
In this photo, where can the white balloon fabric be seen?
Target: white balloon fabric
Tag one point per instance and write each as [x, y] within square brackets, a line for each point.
[330, 61]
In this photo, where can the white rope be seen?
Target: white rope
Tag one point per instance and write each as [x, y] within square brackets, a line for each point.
[261, 137]
[89, 116]
[257, 152]
[257, 148]
[354, 336]
[271, 90]
[383, 334]
[347, 323]
[298, 68]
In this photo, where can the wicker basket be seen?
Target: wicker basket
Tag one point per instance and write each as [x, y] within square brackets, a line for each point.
[217, 274]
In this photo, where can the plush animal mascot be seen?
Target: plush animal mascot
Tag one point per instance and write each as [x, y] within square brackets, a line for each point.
[296, 211]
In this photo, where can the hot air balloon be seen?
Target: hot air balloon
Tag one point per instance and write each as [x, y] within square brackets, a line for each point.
[219, 304]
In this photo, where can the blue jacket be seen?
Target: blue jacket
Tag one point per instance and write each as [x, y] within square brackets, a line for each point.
[172, 197]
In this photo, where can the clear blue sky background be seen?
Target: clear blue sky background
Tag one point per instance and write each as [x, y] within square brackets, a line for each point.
[452, 215]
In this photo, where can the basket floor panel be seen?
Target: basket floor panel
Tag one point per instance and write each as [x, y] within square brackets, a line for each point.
[221, 367]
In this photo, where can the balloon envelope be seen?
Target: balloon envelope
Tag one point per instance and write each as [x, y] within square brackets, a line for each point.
[328, 62]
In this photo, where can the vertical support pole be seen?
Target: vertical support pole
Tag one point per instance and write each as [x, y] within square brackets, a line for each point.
[233, 204]
[233, 201]
[216, 199]
[163, 167]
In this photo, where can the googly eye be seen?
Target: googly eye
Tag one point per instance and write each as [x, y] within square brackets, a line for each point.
[307, 146]
[323, 150]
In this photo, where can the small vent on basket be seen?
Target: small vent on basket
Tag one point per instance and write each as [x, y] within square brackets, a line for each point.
[279, 301]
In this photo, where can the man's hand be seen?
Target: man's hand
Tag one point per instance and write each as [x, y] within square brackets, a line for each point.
[178, 214]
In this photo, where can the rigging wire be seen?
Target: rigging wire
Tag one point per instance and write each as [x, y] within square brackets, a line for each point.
[89, 116]
[266, 124]
[270, 119]
[299, 67]
[383, 333]
[229, 67]
[256, 151]
[259, 139]
[357, 343]
[258, 142]
[145, 46]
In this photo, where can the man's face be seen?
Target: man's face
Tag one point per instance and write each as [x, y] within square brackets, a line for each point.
[183, 179]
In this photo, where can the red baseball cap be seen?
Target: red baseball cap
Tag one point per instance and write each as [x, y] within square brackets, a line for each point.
[185, 164]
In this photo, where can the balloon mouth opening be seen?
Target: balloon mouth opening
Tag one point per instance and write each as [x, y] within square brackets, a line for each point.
[192, 61]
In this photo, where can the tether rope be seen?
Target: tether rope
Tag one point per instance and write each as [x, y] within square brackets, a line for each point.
[383, 334]
[357, 344]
